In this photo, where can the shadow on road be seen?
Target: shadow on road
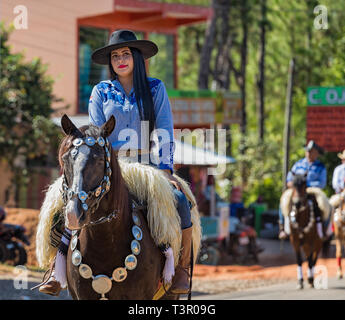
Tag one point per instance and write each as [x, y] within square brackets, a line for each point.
[276, 253]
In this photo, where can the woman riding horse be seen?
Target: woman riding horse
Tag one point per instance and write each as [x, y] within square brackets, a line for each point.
[140, 104]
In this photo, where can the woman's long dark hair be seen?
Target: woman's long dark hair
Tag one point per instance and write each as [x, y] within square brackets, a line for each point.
[141, 89]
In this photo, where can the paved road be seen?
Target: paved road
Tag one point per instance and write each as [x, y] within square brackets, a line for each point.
[285, 291]
[11, 289]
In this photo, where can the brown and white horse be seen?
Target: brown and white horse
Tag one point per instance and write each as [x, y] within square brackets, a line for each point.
[303, 233]
[339, 234]
[112, 254]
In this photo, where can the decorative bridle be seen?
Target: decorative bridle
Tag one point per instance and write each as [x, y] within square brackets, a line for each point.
[293, 219]
[307, 203]
[101, 283]
[99, 192]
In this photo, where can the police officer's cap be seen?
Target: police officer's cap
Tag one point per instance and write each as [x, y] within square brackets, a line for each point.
[312, 144]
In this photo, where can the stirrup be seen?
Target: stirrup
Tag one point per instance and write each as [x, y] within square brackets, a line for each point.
[185, 270]
[45, 277]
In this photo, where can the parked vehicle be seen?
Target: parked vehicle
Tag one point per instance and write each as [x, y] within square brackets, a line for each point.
[12, 250]
[243, 246]
[214, 236]
[209, 252]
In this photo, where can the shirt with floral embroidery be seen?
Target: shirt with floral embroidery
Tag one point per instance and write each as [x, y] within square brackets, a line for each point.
[109, 98]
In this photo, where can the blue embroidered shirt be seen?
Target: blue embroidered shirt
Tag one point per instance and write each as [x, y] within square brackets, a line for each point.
[317, 174]
[109, 98]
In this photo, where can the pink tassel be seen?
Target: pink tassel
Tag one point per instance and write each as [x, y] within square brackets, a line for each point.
[169, 268]
[60, 269]
[319, 229]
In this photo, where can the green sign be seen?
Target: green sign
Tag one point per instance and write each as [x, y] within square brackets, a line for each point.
[326, 96]
[172, 93]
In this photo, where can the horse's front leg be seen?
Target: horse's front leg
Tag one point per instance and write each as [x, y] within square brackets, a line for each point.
[299, 269]
[338, 244]
[311, 264]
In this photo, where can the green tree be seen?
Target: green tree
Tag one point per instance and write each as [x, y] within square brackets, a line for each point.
[290, 32]
[26, 97]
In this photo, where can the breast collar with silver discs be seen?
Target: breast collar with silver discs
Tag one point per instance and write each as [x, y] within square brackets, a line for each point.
[102, 283]
[294, 223]
[98, 193]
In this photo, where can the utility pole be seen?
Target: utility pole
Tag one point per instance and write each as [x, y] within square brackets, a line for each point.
[288, 112]
[261, 81]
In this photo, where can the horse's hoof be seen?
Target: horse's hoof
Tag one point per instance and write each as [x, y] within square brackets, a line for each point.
[339, 275]
[311, 282]
[299, 285]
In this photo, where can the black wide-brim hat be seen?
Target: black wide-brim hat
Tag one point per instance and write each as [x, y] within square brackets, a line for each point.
[124, 38]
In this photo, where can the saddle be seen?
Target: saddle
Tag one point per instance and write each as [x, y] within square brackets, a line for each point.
[337, 199]
[149, 186]
[321, 199]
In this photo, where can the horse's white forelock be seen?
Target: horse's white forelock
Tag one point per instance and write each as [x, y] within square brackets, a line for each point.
[79, 164]
[77, 182]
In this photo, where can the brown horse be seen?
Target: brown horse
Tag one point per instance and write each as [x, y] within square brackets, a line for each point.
[339, 234]
[303, 228]
[112, 254]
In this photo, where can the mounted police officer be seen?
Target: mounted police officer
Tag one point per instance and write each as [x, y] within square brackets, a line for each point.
[316, 177]
[338, 181]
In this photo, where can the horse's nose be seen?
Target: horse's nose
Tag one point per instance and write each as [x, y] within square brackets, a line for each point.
[72, 215]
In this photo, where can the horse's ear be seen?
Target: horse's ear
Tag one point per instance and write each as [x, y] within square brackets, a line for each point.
[108, 127]
[68, 126]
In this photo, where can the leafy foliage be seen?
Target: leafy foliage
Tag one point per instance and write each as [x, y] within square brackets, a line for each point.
[320, 61]
[26, 132]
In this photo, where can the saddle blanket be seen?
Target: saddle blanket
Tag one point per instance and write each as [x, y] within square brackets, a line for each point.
[320, 196]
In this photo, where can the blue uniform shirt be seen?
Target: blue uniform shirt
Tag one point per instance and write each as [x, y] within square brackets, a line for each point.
[317, 174]
[109, 98]
[339, 178]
